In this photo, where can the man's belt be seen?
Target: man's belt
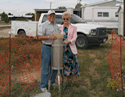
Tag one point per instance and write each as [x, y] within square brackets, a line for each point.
[48, 45]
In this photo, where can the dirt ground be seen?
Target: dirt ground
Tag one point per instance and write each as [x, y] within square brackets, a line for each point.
[4, 33]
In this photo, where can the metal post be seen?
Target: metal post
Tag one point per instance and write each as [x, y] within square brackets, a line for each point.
[62, 79]
[9, 63]
[93, 15]
[36, 30]
[59, 75]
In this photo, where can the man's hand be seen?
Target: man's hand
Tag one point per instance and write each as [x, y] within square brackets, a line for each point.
[52, 37]
[66, 42]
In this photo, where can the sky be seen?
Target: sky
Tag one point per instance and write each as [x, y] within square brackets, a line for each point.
[21, 7]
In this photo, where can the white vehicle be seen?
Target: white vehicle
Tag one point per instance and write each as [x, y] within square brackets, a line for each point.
[88, 34]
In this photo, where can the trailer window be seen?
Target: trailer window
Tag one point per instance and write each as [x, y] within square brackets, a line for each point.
[116, 14]
[99, 14]
[103, 14]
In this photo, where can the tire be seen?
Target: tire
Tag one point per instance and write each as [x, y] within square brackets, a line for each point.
[81, 42]
[21, 32]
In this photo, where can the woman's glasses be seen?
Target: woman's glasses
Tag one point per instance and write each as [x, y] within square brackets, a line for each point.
[65, 18]
[52, 15]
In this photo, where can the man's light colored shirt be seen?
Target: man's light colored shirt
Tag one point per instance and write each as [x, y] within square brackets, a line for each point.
[47, 29]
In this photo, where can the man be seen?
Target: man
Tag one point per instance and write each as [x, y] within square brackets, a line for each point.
[49, 28]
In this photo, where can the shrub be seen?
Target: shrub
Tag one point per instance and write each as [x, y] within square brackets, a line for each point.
[6, 20]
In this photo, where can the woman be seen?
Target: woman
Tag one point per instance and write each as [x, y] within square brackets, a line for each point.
[70, 58]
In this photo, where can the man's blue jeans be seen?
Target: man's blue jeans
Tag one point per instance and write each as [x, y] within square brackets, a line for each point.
[45, 64]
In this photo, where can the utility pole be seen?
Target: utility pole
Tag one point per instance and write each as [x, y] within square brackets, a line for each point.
[50, 4]
[80, 1]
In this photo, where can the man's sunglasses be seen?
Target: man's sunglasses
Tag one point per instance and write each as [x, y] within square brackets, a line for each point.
[65, 18]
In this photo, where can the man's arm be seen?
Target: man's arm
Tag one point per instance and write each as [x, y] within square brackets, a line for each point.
[43, 37]
[52, 37]
[41, 34]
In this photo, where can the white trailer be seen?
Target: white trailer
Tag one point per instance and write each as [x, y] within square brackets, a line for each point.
[106, 16]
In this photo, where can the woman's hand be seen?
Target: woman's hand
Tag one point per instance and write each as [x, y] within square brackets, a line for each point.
[69, 42]
[64, 42]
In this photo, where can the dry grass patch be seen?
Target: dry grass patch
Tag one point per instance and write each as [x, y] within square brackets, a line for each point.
[96, 61]
[87, 80]
[80, 60]
[92, 55]
[109, 79]
[80, 51]
[93, 72]
[81, 55]
[92, 92]
[84, 87]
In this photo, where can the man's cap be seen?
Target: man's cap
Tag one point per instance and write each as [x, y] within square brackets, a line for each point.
[50, 12]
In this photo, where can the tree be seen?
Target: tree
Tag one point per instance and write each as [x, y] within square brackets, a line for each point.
[10, 14]
[29, 14]
[78, 5]
[4, 17]
[62, 7]
[33, 15]
[6, 20]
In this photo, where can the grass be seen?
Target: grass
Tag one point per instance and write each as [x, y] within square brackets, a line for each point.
[2, 28]
[94, 74]
[3, 23]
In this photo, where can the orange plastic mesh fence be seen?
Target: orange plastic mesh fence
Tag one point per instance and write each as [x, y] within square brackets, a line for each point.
[25, 57]
[115, 60]
[4, 67]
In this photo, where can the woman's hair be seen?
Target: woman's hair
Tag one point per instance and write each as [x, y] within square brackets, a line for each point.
[66, 14]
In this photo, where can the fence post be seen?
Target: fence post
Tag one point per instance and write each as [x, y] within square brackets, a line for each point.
[121, 60]
[37, 30]
[112, 37]
[9, 63]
